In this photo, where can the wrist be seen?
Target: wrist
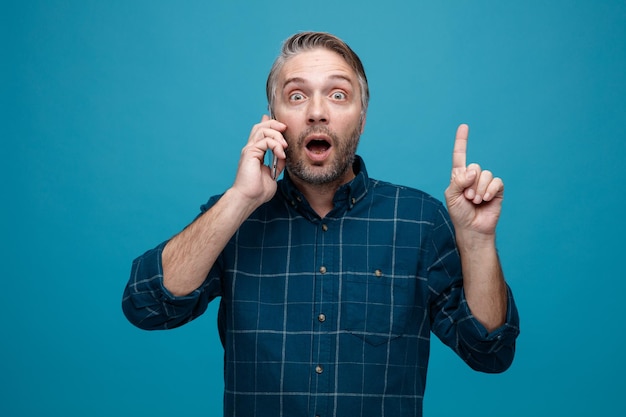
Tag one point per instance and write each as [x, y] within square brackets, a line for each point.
[471, 240]
[241, 201]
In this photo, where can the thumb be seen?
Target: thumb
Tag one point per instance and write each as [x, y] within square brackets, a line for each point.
[461, 179]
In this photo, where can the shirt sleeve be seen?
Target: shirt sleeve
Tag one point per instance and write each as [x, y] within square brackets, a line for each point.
[451, 319]
[146, 302]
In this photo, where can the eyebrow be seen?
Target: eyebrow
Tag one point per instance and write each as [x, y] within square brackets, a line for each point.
[300, 80]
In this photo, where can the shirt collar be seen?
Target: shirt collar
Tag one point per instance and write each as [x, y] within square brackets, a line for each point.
[346, 197]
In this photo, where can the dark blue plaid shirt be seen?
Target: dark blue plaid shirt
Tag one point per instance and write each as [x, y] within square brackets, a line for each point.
[332, 316]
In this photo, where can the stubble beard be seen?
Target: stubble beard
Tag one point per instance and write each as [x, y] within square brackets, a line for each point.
[342, 161]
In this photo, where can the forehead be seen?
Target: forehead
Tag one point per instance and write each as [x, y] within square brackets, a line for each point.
[315, 64]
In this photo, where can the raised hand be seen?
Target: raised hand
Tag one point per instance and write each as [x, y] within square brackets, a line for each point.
[474, 196]
[254, 179]
[188, 256]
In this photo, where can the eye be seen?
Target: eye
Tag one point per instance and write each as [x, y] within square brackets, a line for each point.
[339, 95]
[296, 97]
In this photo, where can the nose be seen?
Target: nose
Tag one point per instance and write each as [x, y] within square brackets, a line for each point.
[317, 111]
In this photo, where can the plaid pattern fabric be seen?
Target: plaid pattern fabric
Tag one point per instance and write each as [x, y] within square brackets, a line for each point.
[333, 316]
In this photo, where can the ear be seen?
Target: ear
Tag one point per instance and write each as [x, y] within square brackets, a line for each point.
[363, 123]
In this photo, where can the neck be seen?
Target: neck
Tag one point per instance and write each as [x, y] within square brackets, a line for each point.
[320, 196]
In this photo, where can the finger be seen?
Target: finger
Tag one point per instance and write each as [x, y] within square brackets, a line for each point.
[482, 183]
[495, 189]
[261, 131]
[274, 124]
[280, 166]
[274, 135]
[258, 151]
[267, 123]
[459, 154]
[466, 177]
[278, 147]
[460, 184]
[267, 143]
[469, 180]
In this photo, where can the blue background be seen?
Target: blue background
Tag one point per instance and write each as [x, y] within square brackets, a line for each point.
[120, 118]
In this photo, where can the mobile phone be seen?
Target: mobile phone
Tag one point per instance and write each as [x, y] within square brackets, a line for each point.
[274, 165]
[273, 158]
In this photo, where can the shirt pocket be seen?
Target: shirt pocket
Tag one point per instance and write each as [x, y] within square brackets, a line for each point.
[376, 305]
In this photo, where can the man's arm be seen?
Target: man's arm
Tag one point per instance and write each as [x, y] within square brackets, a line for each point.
[483, 280]
[474, 200]
[188, 256]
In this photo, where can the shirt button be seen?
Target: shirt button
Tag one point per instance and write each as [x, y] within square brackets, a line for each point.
[319, 369]
[322, 269]
[378, 273]
[322, 318]
[325, 227]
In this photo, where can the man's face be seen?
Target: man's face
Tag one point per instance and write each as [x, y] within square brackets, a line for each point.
[319, 99]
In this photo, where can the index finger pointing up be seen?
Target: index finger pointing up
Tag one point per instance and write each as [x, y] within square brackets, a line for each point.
[460, 147]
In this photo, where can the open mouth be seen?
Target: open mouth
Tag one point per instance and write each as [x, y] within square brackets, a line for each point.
[318, 146]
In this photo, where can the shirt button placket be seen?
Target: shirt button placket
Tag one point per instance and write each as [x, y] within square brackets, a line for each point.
[325, 264]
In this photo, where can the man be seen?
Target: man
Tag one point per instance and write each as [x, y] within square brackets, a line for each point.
[330, 281]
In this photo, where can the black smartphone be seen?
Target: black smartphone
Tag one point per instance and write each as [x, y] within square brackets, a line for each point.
[273, 158]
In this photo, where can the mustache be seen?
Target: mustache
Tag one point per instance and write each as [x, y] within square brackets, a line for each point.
[318, 129]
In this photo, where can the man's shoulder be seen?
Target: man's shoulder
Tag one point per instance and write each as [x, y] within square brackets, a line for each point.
[380, 188]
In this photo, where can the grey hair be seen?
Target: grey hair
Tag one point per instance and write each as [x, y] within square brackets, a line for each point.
[307, 41]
